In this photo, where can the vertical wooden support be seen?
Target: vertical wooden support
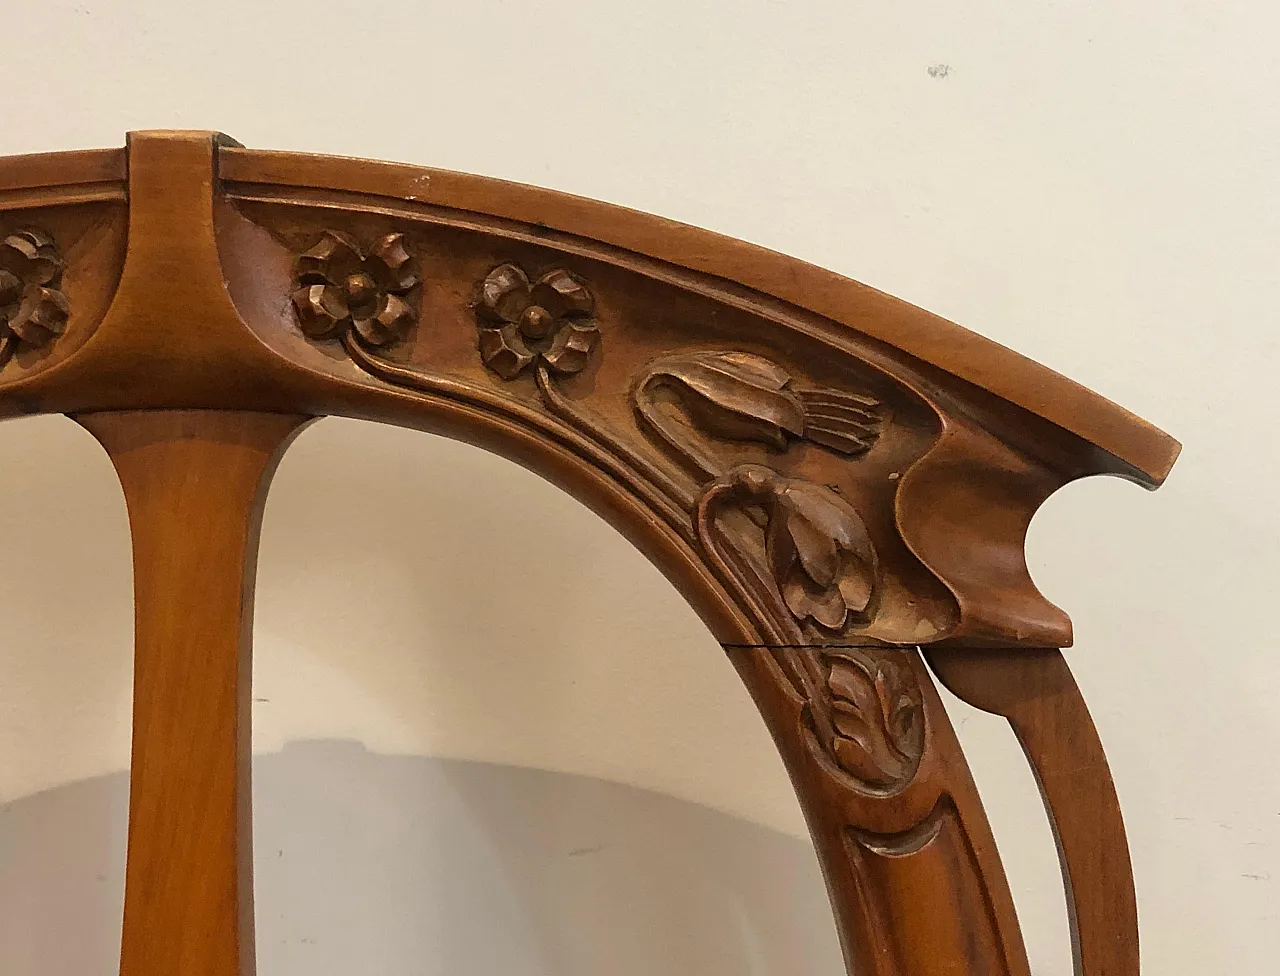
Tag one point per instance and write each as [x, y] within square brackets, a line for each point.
[194, 482]
[1035, 690]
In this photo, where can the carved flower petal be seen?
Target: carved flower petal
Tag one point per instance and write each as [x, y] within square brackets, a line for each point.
[815, 547]
[335, 256]
[30, 254]
[41, 317]
[10, 288]
[504, 293]
[779, 546]
[571, 348]
[504, 352]
[389, 324]
[830, 515]
[824, 606]
[857, 583]
[560, 293]
[392, 265]
[321, 309]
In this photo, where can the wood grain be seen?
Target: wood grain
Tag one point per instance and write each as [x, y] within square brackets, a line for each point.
[194, 484]
[1037, 693]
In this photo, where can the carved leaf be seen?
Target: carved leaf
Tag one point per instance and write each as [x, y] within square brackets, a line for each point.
[877, 717]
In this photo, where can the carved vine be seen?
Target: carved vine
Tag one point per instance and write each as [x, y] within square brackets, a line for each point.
[800, 553]
[33, 308]
[797, 555]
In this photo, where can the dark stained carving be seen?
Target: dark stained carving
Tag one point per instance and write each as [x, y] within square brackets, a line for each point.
[740, 396]
[341, 289]
[548, 322]
[33, 309]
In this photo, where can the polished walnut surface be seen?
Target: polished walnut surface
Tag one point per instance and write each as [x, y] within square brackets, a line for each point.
[838, 482]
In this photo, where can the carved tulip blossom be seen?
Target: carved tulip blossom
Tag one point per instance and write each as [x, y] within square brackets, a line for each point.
[33, 310]
[342, 289]
[547, 322]
[817, 547]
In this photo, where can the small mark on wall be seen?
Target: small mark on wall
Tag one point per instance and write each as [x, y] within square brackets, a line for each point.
[939, 70]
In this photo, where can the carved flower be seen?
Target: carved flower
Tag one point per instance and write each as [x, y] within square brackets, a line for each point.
[548, 322]
[820, 554]
[341, 288]
[876, 717]
[746, 397]
[32, 308]
[817, 547]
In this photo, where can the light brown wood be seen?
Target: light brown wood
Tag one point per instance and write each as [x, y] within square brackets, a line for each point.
[189, 888]
[834, 479]
[1036, 692]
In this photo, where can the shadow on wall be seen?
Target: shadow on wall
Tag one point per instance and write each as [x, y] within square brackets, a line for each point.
[386, 865]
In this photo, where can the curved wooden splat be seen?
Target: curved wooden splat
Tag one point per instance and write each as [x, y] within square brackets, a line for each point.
[832, 477]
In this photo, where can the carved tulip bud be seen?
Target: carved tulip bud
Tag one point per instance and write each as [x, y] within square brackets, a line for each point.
[820, 554]
[817, 547]
[342, 291]
[740, 396]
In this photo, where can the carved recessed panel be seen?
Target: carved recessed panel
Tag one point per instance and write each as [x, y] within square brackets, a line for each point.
[784, 465]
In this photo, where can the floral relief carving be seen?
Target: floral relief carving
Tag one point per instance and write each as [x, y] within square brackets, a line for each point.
[874, 716]
[744, 397]
[547, 322]
[342, 289]
[818, 554]
[798, 546]
[817, 548]
[795, 551]
[33, 308]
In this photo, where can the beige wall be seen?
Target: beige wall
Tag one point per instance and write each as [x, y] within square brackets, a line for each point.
[1092, 184]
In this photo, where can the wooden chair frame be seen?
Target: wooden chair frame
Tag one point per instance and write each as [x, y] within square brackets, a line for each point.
[838, 482]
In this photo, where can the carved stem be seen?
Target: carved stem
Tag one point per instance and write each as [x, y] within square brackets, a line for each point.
[580, 442]
[661, 424]
[758, 593]
[560, 405]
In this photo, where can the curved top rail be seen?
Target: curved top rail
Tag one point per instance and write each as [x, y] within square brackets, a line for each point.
[690, 387]
[1149, 451]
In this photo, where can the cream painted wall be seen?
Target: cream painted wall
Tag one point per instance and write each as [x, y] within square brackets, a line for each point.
[1092, 184]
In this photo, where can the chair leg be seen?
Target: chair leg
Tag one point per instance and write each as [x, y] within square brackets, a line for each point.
[194, 483]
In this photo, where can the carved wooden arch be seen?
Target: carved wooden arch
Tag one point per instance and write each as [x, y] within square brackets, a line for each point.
[839, 483]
